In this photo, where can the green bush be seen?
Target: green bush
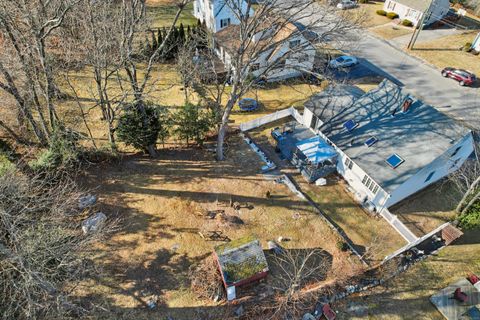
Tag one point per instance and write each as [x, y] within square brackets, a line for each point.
[467, 47]
[471, 219]
[193, 122]
[362, 1]
[407, 23]
[392, 15]
[381, 12]
[62, 153]
[343, 246]
[140, 125]
[5, 165]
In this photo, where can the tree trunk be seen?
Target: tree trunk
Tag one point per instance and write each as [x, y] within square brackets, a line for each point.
[151, 151]
[471, 203]
[467, 193]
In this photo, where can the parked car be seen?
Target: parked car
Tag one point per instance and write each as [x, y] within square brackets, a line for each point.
[464, 77]
[343, 62]
[346, 4]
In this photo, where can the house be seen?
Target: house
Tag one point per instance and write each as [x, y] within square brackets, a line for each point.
[241, 261]
[217, 14]
[476, 43]
[413, 10]
[287, 53]
[390, 145]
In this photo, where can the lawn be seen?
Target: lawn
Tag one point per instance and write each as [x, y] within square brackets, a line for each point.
[445, 52]
[369, 12]
[428, 209]
[159, 201]
[391, 31]
[162, 13]
[363, 229]
[168, 91]
[407, 296]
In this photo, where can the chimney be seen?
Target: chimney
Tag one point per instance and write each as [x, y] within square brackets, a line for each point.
[406, 104]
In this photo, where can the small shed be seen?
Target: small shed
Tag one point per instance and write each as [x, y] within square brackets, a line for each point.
[241, 261]
[315, 158]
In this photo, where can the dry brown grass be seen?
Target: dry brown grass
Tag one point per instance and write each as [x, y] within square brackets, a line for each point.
[445, 52]
[363, 229]
[428, 209]
[371, 18]
[158, 201]
[391, 31]
[407, 296]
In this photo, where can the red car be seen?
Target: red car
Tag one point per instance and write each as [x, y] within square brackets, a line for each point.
[464, 77]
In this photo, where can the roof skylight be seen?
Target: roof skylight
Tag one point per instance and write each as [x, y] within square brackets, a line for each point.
[395, 160]
[350, 125]
[371, 141]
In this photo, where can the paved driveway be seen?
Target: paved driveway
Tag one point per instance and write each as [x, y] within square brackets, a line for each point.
[422, 80]
[425, 35]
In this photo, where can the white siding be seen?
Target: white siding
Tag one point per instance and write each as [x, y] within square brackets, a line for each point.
[213, 11]
[476, 43]
[439, 9]
[442, 166]
[354, 175]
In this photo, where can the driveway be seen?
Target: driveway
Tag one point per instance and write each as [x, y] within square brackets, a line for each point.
[418, 78]
[425, 35]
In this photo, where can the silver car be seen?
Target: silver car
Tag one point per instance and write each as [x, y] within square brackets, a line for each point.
[346, 4]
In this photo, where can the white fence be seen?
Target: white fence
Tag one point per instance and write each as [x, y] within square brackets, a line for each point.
[416, 242]
[398, 225]
[255, 123]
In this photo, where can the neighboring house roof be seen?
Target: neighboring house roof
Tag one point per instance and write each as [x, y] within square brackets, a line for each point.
[418, 136]
[420, 5]
[240, 260]
[229, 38]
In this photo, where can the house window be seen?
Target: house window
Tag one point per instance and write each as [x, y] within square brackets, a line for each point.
[348, 163]
[294, 43]
[314, 122]
[455, 152]
[430, 175]
[224, 22]
[370, 184]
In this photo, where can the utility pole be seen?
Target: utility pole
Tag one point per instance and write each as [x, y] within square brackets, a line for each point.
[418, 29]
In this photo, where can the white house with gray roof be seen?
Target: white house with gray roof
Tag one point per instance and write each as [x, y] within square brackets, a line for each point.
[218, 14]
[390, 144]
[413, 10]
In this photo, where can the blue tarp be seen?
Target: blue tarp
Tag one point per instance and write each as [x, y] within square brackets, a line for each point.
[316, 150]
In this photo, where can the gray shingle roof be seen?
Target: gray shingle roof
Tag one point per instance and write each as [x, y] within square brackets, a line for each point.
[418, 136]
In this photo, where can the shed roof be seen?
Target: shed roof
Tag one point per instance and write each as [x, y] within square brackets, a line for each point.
[241, 259]
[418, 136]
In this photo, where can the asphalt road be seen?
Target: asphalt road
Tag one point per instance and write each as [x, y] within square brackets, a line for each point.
[423, 81]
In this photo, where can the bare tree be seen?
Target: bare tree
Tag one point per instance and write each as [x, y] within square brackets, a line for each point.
[258, 36]
[43, 252]
[27, 66]
[467, 181]
[293, 271]
[133, 24]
